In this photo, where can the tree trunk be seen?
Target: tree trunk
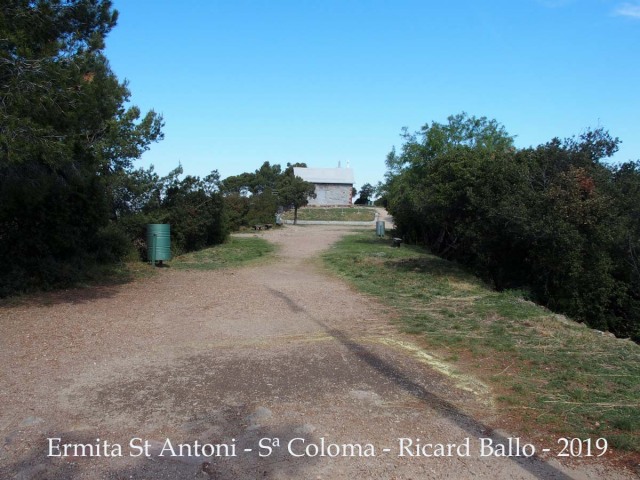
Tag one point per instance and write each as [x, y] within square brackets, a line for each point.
[295, 215]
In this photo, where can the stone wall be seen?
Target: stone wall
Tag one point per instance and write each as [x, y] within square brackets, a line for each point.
[331, 194]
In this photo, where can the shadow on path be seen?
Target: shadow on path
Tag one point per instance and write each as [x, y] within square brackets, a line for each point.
[534, 465]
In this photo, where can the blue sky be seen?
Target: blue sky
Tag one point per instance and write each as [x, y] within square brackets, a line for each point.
[242, 82]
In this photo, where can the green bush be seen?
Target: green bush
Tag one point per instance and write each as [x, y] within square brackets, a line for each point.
[67, 139]
[112, 244]
[553, 220]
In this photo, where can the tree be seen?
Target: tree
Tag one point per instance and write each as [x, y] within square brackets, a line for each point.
[408, 180]
[250, 196]
[291, 166]
[554, 220]
[435, 139]
[66, 140]
[194, 208]
[381, 193]
[366, 192]
[239, 184]
[295, 192]
[266, 178]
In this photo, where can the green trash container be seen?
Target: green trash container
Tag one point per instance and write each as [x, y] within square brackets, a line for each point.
[158, 242]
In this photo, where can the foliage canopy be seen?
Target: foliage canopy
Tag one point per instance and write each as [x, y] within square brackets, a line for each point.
[553, 221]
[255, 198]
[69, 196]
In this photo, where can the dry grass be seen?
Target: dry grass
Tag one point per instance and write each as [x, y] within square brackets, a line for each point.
[555, 377]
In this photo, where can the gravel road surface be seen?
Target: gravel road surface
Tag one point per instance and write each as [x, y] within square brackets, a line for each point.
[276, 371]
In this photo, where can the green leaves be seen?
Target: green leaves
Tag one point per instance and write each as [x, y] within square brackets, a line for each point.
[255, 197]
[67, 142]
[552, 219]
[295, 192]
[56, 85]
[366, 192]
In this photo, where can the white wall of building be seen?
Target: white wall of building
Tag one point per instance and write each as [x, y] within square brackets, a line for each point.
[331, 194]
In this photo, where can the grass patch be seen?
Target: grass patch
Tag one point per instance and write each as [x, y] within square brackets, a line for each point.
[338, 214]
[554, 376]
[235, 252]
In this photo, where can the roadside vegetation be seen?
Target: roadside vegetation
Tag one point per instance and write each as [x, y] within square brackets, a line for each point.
[341, 214]
[235, 252]
[550, 376]
[254, 197]
[559, 222]
[73, 206]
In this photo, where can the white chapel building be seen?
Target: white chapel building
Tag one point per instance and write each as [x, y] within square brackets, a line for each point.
[333, 185]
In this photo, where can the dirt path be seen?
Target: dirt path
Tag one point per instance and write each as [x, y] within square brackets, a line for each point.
[232, 358]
